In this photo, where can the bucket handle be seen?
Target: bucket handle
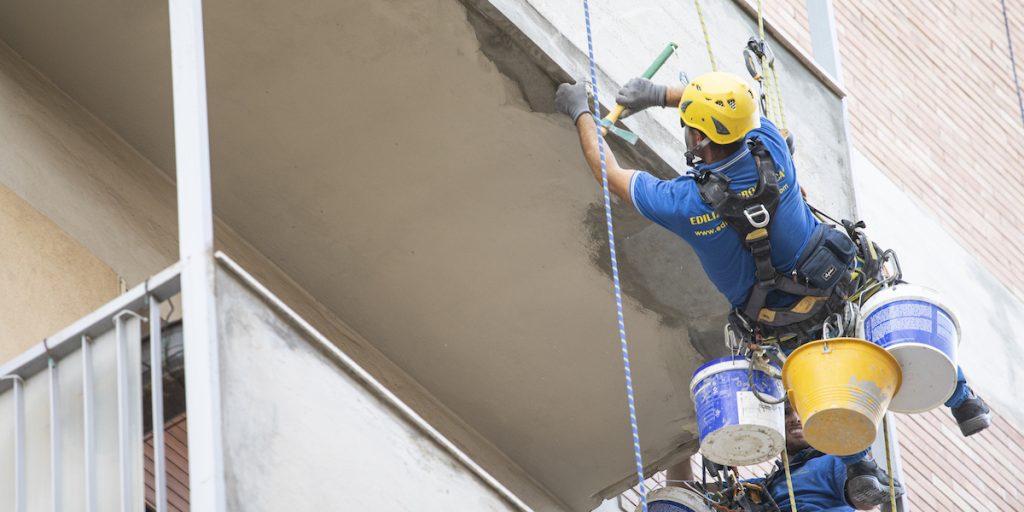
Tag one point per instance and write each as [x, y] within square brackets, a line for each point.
[766, 400]
[833, 322]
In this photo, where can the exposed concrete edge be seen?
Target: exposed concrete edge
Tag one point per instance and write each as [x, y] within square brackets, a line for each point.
[681, 453]
[562, 61]
[808, 61]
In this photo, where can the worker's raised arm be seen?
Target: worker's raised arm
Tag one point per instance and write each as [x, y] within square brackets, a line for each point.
[572, 100]
[618, 178]
[674, 95]
[641, 93]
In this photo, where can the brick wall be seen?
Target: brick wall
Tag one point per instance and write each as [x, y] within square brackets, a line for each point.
[933, 104]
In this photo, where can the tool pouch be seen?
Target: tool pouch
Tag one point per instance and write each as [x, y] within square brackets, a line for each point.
[829, 256]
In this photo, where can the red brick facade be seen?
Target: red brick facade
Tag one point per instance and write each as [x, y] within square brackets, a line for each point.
[933, 104]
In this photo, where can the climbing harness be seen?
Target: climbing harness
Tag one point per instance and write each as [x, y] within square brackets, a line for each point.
[822, 280]
[638, 456]
[821, 277]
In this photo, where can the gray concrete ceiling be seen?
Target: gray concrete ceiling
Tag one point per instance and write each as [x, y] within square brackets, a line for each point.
[379, 157]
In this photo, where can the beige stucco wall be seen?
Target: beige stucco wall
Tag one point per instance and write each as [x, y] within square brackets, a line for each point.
[48, 279]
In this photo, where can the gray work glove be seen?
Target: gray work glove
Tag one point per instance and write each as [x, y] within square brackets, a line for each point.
[640, 93]
[572, 100]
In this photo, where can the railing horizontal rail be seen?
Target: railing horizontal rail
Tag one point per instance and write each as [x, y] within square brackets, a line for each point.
[164, 285]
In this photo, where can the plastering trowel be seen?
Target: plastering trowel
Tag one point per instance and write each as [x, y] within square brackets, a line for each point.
[608, 123]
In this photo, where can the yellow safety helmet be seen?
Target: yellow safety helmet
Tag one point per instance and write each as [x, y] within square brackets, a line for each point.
[721, 106]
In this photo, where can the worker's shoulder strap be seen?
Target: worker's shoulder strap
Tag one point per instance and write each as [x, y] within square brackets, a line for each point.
[750, 212]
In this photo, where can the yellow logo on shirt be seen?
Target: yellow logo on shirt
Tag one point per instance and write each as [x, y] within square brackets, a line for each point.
[709, 232]
[703, 219]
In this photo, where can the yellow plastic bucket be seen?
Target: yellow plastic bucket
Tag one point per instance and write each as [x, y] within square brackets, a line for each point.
[841, 389]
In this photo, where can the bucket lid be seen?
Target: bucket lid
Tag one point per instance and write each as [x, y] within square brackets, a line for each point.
[907, 291]
[719, 365]
[678, 496]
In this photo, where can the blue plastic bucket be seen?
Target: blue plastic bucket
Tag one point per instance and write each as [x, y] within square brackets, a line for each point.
[922, 334]
[735, 427]
[675, 499]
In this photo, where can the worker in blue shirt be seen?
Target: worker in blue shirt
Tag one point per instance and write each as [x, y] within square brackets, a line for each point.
[821, 482]
[731, 146]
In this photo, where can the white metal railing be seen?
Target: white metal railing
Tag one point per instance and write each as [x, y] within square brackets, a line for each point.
[124, 316]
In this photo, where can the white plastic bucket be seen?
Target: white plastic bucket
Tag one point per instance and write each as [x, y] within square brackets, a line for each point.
[675, 499]
[913, 324]
[735, 427]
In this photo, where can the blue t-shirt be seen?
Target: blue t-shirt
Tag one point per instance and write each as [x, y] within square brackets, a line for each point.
[819, 484]
[677, 206]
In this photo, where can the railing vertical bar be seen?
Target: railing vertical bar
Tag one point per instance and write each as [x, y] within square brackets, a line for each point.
[88, 427]
[55, 432]
[156, 373]
[122, 416]
[129, 411]
[20, 489]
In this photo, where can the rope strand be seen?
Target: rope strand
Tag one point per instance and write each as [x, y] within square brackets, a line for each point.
[789, 480]
[888, 463]
[615, 268]
[778, 98]
[766, 82]
[707, 37]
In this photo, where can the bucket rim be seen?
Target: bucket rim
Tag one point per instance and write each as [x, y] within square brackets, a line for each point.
[713, 362]
[910, 291]
[875, 348]
[681, 496]
[716, 366]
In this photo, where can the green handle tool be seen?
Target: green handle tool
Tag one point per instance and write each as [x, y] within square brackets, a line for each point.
[608, 123]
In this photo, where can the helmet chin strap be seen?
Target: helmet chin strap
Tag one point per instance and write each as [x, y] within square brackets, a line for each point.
[691, 153]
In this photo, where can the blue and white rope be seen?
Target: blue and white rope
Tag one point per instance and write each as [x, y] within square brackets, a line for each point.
[615, 267]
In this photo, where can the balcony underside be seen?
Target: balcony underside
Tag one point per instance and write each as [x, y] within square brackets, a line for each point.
[400, 162]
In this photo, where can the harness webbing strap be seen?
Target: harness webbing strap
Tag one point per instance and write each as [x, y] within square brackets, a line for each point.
[615, 268]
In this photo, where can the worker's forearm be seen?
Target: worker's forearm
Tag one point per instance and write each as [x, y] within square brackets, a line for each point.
[587, 129]
[618, 178]
[674, 95]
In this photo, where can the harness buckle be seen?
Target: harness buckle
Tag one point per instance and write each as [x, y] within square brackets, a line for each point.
[757, 215]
